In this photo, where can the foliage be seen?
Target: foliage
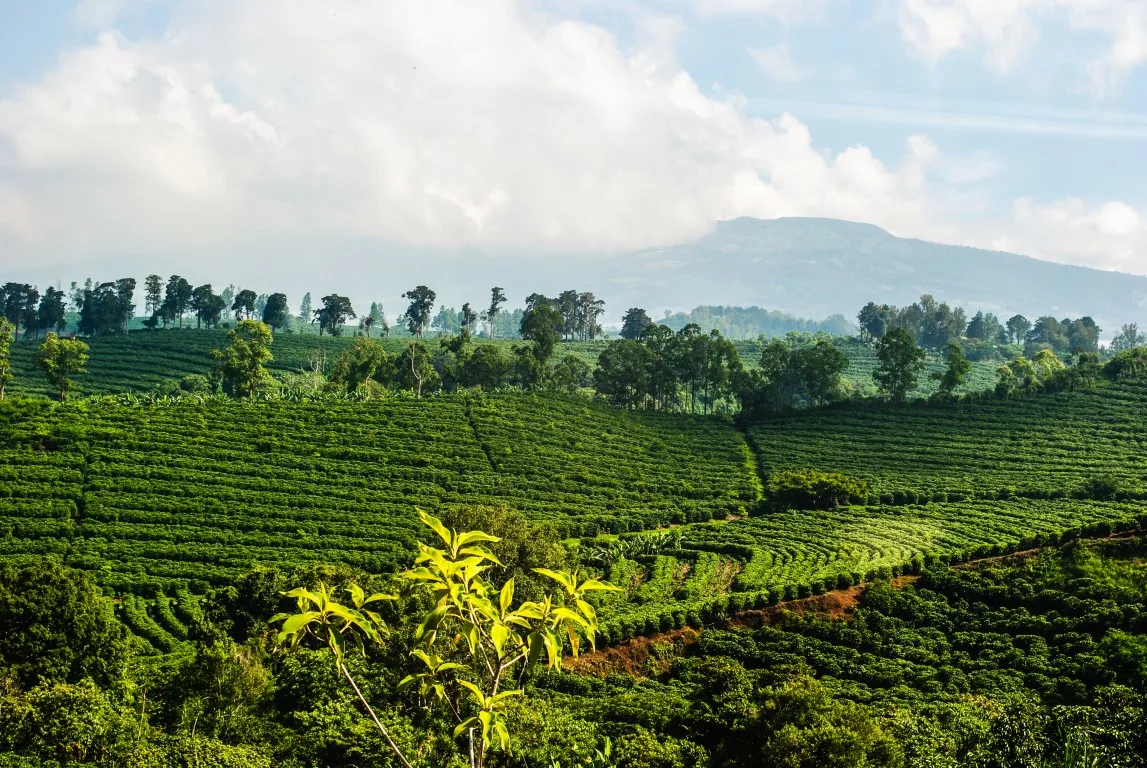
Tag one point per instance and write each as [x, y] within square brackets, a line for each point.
[900, 363]
[958, 370]
[7, 331]
[61, 360]
[809, 489]
[471, 621]
[57, 627]
[242, 365]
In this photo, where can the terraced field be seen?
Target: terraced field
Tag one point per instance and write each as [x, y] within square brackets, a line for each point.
[1046, 447]
[163, 502]
[143, 360]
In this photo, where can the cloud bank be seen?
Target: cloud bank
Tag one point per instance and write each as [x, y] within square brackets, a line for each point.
[445, 124]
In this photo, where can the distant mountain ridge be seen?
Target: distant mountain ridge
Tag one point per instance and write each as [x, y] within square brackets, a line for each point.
[819, 267]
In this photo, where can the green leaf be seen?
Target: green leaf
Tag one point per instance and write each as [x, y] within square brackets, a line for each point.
[356, 594]
[431, 621]
[506, 596]
[434, 524]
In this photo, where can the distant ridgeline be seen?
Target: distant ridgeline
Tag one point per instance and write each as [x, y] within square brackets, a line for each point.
[751, 322]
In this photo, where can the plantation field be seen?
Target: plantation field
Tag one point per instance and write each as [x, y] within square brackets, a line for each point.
[163, 502]
[143, 360]
[155, 497]
[1044, 447]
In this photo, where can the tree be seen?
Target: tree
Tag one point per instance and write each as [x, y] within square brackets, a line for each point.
[590, 309]
[228, 296]
[446, 321]
[19, 305]
[414, 369]
[957, 372]
[633, 323]
[365, 323]
[153, 293]
[261, 304]
[335, 311]
[202, 300]
[899, 363]
[364, 362]
[61, 359]
[622, 373]
[275, 311]
[306, 310]
[244, 304]
[469, 680]
[7, 331]
[1128, 337]
[242, 365]
[497, 299]
[542, 325]
[570, 374]
[52, 314]
[58, 627]
[486, 367]
[177, 299]
[1018, 327]
[418, 311]
[468, 318]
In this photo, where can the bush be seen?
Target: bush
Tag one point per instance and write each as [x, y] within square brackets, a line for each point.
[809, 489]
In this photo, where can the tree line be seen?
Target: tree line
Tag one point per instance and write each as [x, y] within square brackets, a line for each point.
[934, 325]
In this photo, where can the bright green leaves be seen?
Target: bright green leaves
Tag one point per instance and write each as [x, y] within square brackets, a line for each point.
[473, 642]
[339, 626]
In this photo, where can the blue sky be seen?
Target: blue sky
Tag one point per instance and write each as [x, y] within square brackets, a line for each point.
[161, 129]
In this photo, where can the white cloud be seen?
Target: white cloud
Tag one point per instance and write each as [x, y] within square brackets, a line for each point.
[792, 11]
[1005, 32]
[1114, 233]
[777, 63]
[435, 123]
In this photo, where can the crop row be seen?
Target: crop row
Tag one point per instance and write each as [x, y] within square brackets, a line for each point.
[1046, 446]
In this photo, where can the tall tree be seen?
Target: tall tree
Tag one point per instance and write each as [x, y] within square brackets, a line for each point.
[1128, 337]
[177, 299]
[275, 311]
[152, 293]
[201, 300]
[20, 301]
[590, 308]
[622, 373]
[542, 325]
[228, 296]
[244, 304]
[242, 365]
[414, 369]
[306, 310]
[335, 311]
[7, 332]
[467, 319]
[418, 312]
[497, 299]
[899, 364]
[365, 323]
[61, 360]
[446, 321]
[364, 362]
[1018, 327]
[633, 323]
[957, 371]
[125, 302]
[52, 314]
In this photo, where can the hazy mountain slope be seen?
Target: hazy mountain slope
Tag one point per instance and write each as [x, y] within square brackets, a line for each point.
[817, 267]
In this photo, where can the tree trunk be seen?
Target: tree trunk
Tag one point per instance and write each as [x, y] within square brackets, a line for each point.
[393, 747]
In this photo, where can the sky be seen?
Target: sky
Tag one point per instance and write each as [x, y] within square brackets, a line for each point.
[238, 138]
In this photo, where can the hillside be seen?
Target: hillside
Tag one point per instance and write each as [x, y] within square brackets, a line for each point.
[155, 499]
[141, 361]
[819, 267]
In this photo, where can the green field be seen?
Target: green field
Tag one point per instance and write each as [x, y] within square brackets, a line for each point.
[143, 360]
[158, 499]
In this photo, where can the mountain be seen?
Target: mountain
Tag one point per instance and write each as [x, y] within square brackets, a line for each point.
[811, 268]
[818, 267]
